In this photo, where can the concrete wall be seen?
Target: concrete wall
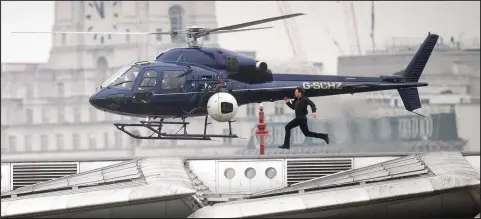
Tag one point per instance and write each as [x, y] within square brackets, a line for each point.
[165, 209]
[440, 63]
[458, 70]
[467, 118]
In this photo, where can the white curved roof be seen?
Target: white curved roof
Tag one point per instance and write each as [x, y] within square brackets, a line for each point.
[324, 200]
[430, 173]
[127, 182]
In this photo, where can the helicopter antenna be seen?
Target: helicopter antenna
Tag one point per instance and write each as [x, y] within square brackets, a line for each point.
[191, 33]
[159, 50]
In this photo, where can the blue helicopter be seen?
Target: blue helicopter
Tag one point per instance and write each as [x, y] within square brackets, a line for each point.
[197, 81]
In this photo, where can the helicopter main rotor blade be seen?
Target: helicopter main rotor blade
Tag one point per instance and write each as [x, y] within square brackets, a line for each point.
[247, 24]
[113, 33]
[231, 31]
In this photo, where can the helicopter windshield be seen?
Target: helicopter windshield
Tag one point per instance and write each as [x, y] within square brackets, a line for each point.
[124, 78]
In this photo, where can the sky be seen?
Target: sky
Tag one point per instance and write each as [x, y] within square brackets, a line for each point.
[323, 22]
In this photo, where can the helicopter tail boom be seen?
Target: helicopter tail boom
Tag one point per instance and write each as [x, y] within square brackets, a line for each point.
[406, 81]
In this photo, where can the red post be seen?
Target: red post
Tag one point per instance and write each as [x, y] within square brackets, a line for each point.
[261, 132]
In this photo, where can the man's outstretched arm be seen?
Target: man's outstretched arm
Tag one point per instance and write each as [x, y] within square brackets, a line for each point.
[289, 104]
[313, 106]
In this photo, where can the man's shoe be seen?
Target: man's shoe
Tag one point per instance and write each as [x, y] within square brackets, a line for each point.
[284, 147]
[327, 138]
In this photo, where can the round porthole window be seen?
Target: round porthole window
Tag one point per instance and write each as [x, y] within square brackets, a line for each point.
[271, 172]
[250, 173]
[229, 173]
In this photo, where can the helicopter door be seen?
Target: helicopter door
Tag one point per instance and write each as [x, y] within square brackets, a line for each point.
[173, 80]
[146, 86]
[173, 88]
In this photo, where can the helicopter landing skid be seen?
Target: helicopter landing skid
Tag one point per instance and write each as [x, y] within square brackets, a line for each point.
[156, 128]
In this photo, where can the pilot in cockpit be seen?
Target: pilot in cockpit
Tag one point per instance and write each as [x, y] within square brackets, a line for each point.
[166, 83]
[130, 76]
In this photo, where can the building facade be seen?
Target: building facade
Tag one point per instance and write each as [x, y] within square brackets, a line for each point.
[45, 108]
[453, 71]
[45, 105]
[453, 74]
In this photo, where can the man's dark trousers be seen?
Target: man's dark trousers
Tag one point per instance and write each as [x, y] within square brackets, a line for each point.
[302, 123]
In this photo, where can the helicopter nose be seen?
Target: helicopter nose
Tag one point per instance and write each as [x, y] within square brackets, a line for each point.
[94, 100]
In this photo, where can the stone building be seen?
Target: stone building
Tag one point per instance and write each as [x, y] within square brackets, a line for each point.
[45, 109]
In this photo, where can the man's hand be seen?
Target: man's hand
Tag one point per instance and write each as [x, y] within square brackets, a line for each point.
[286, 100]
[314, 115]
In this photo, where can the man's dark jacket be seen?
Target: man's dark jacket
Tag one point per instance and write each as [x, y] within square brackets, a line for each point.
[300, 106]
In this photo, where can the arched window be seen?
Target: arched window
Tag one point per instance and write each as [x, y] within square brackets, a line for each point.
[29, 116]
[102, 67]
[60, 89]
[176, 15]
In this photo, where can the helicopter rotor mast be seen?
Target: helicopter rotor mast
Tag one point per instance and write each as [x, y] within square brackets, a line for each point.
[194, 33]
[191, 33]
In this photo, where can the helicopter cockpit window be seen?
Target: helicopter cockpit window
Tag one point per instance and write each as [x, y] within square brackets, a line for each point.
[148, 81]
[125, 78]
[115, 76]
[173, 80]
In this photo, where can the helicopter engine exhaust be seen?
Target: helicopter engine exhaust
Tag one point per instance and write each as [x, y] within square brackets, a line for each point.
[261, 66]
[222, 107]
